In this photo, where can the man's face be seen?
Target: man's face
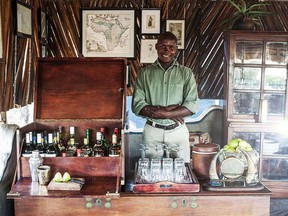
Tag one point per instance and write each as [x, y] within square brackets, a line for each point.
[166, 50]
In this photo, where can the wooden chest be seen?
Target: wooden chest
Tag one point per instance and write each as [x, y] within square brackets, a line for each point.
[87, 93]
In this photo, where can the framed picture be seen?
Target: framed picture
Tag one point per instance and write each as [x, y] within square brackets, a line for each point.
[148, 53]
[150, 21]
[42, 25]
[1, 40]
[108, 33]
[43, 51]
[23, 20]
[177, 27]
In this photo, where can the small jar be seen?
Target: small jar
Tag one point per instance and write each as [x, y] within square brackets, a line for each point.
[34, 162]
[202, 155]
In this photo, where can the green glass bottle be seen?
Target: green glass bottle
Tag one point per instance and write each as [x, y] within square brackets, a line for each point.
[104, 142]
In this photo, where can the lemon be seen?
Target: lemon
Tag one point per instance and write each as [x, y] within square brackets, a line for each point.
[66, 177]
[58, 177]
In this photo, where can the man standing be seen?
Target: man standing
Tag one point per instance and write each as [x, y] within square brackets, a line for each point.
[165, 93]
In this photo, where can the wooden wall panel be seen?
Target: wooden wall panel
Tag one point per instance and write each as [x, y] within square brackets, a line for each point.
[203, 40]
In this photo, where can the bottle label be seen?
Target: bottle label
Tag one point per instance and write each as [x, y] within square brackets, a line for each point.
[49, 155]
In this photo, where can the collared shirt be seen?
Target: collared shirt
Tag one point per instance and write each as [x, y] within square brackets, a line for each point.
[157, 87]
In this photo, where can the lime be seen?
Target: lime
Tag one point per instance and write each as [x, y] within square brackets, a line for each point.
[58, 177]
[66, 177]
[233, 143]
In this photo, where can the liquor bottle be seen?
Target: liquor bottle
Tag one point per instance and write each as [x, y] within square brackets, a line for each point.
[45, 139]
[60, 142]
[33, 139]
[71, 144]
[86, 150]
[51, 148]
[119, 135]
[55, 142]
[115, 149]
[104, 142]
[98, 150]
[40, 144]
[28, 148]
[88, 136]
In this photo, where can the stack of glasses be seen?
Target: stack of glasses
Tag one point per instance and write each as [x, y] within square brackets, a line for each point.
[158, 170]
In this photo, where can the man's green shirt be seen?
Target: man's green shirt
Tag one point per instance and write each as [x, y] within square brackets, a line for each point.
[157, 87]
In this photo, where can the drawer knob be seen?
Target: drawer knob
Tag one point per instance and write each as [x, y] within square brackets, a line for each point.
[194, 205]
[107, 205]
[174, 205]
[89, 205]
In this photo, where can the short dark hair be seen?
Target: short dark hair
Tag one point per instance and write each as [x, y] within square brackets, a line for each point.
[167, 36]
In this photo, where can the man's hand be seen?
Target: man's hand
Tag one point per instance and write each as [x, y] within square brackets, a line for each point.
[178, 120]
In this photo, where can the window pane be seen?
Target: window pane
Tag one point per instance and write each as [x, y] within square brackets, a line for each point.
[246, 103]
[249, 52]
[277, 53]
[247, 78]
[275, 169]
[275, 79]
[276, 104]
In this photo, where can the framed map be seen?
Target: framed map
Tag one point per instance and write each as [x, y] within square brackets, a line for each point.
[24, 20]
[108, 33]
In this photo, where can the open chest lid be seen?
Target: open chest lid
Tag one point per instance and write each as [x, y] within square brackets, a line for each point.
[80, 88]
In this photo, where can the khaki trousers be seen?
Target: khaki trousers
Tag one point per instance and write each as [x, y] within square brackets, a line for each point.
[161, 143]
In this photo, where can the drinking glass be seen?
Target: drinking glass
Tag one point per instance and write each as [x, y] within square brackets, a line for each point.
[167, 172]
[155, 170]
[143, 170]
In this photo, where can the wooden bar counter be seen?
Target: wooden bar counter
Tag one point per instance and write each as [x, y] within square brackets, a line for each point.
[94, 199]
[94, 80]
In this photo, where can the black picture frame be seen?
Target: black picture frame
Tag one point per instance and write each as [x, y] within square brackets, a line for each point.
[43, 50]
[42, 26]
[148, 52]
[107, 32]
[177, 27]
[150, 20]
[1, 41]
[23, 19]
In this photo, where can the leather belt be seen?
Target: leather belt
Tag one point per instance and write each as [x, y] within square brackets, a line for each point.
[164, 127]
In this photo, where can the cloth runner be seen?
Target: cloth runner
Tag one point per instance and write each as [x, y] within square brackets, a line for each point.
[7, 133]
